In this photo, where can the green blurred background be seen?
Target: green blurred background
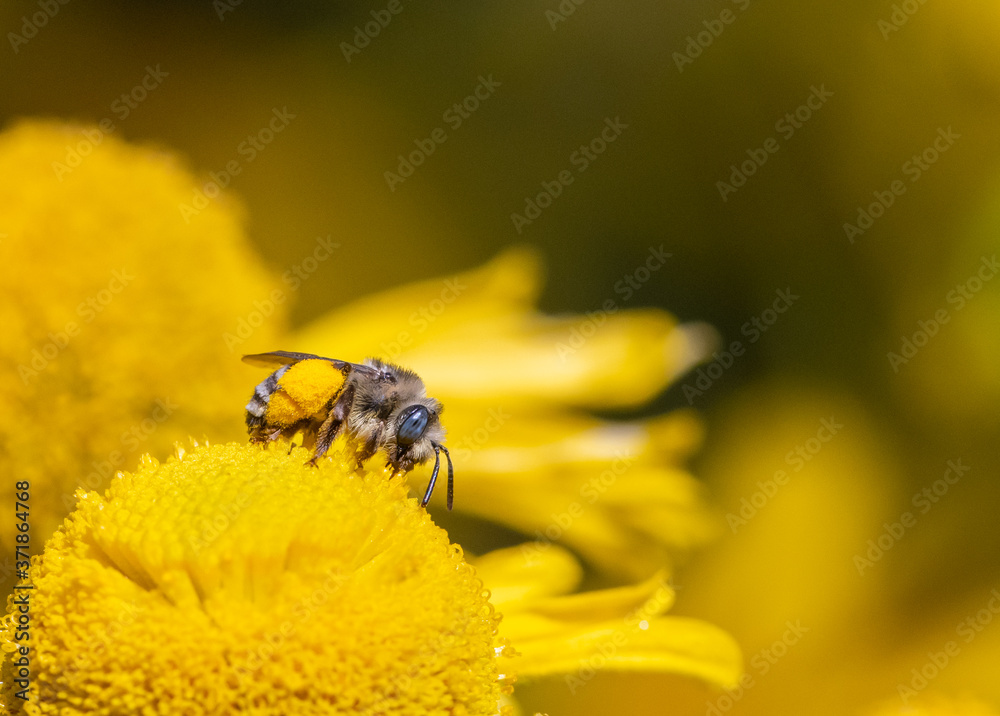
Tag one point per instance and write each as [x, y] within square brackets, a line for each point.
[556, 73]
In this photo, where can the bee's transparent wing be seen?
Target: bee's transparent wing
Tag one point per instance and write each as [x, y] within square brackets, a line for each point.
[280, 358]
[276, 359]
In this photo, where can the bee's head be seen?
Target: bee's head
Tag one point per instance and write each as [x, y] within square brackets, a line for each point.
[418, 435]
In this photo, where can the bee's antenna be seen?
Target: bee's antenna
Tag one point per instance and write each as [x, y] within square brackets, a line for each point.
[434, 475]
[451, 477]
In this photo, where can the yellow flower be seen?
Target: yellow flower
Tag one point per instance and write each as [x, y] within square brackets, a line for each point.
[114, 311]
[513, 381]
[817, 575]
[236, 579]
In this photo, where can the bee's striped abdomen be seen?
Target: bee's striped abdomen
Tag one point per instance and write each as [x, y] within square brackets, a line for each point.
[257, 407]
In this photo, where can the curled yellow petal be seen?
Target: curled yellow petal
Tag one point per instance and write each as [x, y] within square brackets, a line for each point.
[518, 576]
[622, 628]
[678, 645]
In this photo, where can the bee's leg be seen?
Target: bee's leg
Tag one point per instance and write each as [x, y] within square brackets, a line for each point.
[263, 436]
[371, 446]
[400, 460]
[333, 424]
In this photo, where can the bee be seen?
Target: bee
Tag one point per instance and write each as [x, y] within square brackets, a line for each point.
[378, 405]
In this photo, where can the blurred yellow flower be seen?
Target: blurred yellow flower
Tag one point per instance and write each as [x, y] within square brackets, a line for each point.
[114, 310]
[944, 316]
[936, 706]
[815, 578]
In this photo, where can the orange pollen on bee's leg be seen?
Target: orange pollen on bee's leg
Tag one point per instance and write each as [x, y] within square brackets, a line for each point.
[307, 388]
[283, 411]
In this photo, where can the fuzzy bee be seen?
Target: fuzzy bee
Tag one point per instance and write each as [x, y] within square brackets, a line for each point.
[378, 405]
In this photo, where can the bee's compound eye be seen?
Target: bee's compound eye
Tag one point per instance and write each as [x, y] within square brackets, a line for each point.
[412, 423]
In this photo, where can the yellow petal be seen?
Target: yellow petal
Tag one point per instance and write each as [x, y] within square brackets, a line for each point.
[640, 601]
[474, 337]
[631, 358]
[548, 616]
[392, 323]
[627, 530]
[496, 437]
[666, 644]
[517, 575]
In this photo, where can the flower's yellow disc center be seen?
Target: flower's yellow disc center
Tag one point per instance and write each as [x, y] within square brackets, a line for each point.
[237, 579]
